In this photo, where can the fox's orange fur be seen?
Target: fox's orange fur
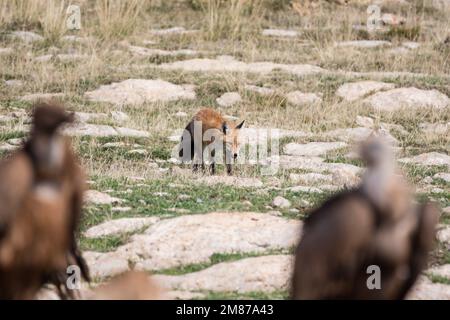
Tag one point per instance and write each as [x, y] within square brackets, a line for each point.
[213, 125]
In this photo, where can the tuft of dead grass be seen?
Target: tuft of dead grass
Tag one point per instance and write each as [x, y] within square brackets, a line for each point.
[117, 18]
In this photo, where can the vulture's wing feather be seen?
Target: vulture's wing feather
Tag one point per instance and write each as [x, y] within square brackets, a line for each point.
[16, 178]
[331, 250]
[423, 242]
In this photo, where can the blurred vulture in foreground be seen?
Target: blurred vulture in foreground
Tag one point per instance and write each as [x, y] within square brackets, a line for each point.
[41, 190]
[377, 225]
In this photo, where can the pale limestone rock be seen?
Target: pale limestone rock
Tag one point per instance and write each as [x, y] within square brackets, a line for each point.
[229, 99]
[429, 159]
[443, 235]
[435, 128]
[97, 197]
[410, 98]
[171, 31]
[194, 238]
[142, 51]
[263, 91]
[312, 148]
[27, 36]
[265, 273]
[86, 116]
[424, 289]
[96, 130]
[298, 98]
[280, 202]
[6, 51]
[356, 90]
[105, 265]
[305, 189]
[14, 83]
[443, 176]
[280, 33]
[139, 91]
[118, 226]
[119, 116]
[411, 45]
[442, 271]
[365, 122]
[311, 178]
[358, 134]
[363, 43]
[240, 182]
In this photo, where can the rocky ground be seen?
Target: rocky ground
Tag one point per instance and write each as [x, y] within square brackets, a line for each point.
[208, 237]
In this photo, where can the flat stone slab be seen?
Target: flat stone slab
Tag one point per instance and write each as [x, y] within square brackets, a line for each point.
[443, 176]
[443, 235]
[259, 90]
[363, 43]
[142, 51]
[26, 36]
[311, 178]
[7, 147]
[280, 33]
[358, 134]
[97, 197]
[118, 226]
[229, 64]
[139, 91]
[410, 98]
[442, 271]
[312, 148]
[98, 130]
[429, 159]
[314, 164]
[240, 182]
[90, 116]
[171, 31]
[104, 265]
[6, 51]
[193, 239]
[229, 99]
[298, 98]
[266, 273]
[424, 289]
[435, 128]
[356, 90]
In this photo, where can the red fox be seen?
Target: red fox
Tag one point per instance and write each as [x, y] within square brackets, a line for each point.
[205, 127]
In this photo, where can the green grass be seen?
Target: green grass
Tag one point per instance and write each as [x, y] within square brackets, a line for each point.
[438, 279]
[103, 244]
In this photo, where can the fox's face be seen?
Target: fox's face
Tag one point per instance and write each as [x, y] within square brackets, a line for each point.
[232, 138]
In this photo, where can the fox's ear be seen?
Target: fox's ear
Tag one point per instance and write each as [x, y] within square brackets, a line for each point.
[240, 124]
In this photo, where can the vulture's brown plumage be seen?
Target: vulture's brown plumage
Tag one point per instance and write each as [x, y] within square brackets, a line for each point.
[378, 224]
[41, 189]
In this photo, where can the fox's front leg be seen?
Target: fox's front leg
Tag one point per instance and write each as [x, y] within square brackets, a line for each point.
[212, 166]
[228, 162]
